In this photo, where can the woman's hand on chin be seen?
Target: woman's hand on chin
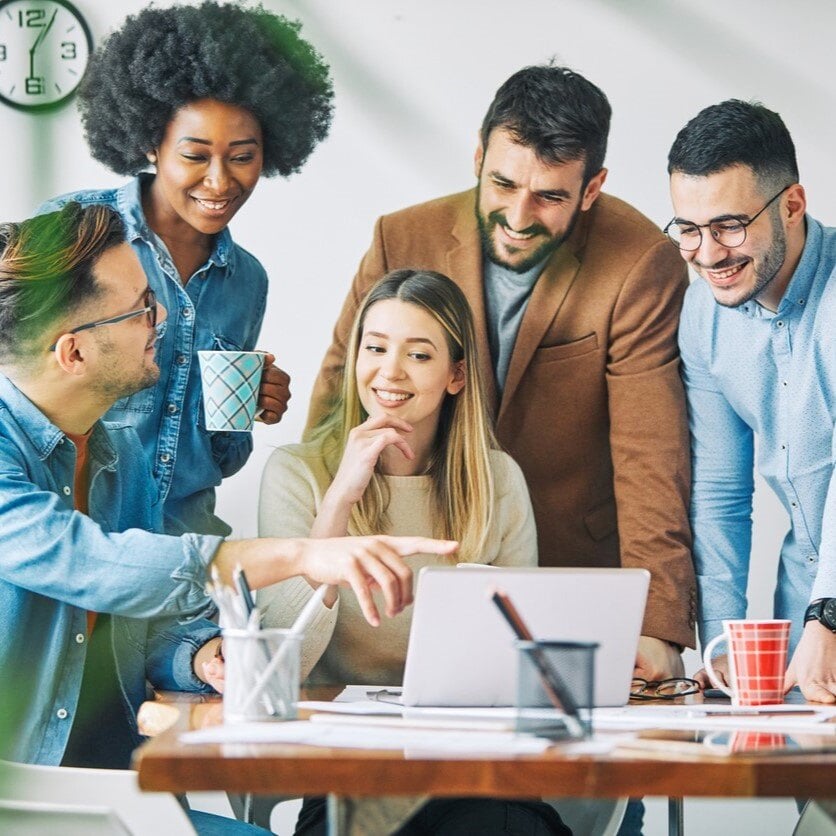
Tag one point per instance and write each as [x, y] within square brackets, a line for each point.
[365, 444]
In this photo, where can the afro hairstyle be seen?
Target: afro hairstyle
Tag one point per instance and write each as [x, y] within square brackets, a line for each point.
[162, 59]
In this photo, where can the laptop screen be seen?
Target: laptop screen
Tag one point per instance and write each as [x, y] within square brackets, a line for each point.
[461, 651]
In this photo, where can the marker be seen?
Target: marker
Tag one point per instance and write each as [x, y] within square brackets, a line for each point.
[552, 683]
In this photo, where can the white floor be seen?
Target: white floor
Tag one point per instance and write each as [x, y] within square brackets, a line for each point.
[703, 817]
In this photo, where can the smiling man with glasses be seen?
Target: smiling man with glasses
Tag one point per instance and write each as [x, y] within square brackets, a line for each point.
[93, 599]
[759, 357]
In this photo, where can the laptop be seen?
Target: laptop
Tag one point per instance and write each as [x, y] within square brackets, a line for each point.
[461, 650]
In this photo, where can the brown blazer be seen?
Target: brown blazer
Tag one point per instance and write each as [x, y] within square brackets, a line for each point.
[593, 407]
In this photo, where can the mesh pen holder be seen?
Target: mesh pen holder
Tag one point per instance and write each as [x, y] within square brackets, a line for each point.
[550, 672]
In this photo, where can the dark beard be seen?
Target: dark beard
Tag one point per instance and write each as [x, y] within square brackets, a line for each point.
[770, 266]
[540, 254]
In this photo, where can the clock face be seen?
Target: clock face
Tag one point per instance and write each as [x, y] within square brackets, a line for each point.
[44, 48]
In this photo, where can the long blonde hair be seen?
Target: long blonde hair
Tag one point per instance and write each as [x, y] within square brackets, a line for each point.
[463, 490]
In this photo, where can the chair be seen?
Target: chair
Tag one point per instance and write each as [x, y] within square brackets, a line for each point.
[591, 817]
[817, 819]
[32, 818]
[79, 802]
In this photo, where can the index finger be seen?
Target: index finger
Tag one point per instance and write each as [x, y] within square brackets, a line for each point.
[386, 420]
[406, 546]
[275, 376]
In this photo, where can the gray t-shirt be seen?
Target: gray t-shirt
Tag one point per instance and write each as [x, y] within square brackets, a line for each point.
[506, 298]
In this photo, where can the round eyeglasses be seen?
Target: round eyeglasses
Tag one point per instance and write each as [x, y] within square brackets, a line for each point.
[663, 689]
[149, 302]
[729, 230]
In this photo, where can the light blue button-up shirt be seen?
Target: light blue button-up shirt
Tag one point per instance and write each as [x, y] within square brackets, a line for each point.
[220, 307]
[750, 372]
[56, 563]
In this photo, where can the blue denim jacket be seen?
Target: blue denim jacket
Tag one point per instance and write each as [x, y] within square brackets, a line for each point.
[56, 563]
[220, 307]
[749, 372]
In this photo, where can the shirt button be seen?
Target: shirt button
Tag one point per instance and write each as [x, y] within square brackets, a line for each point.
[779, 323]
[181, 359]
[187, 312]
[79, 639]
[800, 301]
[171, 408]
[67, 490]
[784, 383]
[165, 458]
[62, 713]
[783, 446]
[794, 504]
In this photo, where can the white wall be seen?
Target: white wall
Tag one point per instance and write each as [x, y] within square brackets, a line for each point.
[412, 80]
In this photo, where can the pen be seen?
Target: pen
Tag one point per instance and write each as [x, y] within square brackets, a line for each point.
[244, 588]
[551, 681]
[306, 616]
[796, 712]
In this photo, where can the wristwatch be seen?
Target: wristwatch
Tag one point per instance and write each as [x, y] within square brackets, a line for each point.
[823, 610]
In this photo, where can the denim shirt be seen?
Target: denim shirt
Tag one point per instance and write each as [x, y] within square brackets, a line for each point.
[750, 372]
[220, 307]
[56, 563]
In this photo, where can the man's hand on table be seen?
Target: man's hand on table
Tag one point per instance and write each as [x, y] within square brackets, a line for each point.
[657, 659]
[813, 665]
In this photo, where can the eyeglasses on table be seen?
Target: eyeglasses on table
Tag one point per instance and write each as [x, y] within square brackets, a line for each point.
[663, 689]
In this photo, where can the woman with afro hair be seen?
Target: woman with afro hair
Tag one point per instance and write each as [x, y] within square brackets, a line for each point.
[210, 97]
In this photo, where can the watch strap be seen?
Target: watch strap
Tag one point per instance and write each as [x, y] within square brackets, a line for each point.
[813, 611]
[816, 612]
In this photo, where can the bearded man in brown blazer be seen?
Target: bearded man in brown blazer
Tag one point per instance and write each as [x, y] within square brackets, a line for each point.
[576, 299]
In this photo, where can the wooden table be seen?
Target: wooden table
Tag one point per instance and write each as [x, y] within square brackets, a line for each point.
[166, 764]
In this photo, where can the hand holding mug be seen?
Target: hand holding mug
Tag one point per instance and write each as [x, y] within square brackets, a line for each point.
[757, 660]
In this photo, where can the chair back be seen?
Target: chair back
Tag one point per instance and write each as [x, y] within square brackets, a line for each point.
[103, 794]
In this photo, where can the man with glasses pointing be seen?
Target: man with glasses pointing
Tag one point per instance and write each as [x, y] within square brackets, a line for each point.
[758, 345]
[93, 599]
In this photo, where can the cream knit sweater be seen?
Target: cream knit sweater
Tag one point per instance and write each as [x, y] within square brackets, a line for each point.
[341, 647]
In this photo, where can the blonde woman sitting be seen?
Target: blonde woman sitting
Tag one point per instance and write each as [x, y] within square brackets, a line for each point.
[408, 449]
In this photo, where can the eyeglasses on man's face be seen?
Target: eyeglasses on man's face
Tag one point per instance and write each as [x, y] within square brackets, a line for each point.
[149, 308]
[729, 230]
[664, 689]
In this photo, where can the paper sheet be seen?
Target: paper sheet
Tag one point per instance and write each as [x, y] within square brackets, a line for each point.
[369, 736]
[773, 718]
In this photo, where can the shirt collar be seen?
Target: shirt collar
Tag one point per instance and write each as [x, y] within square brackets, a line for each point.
[129, 206]
[801, 281]
[42, 433]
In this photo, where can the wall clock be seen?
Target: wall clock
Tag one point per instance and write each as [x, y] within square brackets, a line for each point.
[44, 49]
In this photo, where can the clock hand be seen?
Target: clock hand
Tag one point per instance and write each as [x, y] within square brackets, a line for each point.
[38, 42]
[43, 34]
